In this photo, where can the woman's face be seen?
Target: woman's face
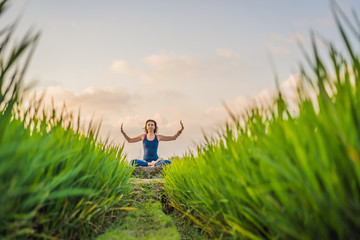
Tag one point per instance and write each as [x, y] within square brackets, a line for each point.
[150, 126]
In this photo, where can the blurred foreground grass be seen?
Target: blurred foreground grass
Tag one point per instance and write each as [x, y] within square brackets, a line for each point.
[273, 174]
[56, 182]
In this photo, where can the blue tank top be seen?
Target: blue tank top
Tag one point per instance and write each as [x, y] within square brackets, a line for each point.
[150, 149]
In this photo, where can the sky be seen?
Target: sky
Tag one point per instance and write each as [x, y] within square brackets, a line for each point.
[128, 61]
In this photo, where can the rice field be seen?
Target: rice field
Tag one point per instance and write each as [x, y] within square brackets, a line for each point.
[280, 174]
[272, 173]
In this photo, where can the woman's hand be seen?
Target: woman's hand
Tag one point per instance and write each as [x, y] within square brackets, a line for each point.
[122, 131]
[181, 129]
[182, 126]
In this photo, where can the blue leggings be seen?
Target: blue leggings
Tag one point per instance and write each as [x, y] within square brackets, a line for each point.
[143, 163]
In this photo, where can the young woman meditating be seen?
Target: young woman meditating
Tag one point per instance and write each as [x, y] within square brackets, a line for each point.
[151, 142]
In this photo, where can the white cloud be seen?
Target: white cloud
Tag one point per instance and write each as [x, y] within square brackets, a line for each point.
[167, 67]
[157, 68]
[264, 99]
[178, 68]
[289, 87]
[227, 54]
[103, 103]
[120, 66]
[224, 52]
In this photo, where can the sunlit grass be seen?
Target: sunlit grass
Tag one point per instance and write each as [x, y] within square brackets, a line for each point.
[56, 180]
[282, 175]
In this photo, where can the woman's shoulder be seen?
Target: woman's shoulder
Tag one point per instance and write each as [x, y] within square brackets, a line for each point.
[143, 136]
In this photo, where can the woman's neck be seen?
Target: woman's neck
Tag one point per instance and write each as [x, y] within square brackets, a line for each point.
[151, 133]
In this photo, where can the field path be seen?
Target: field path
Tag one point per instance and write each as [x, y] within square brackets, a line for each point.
[145, 218]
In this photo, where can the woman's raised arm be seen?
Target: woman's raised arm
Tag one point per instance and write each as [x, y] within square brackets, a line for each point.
[170, 138]
[129, 139]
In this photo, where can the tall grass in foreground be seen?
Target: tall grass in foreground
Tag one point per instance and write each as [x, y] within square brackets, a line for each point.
[283, 176]
[56, 182]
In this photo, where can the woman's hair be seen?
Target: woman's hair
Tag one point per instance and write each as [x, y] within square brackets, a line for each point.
[150, 120]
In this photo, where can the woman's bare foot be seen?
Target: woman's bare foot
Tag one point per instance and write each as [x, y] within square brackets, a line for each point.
[152, 164]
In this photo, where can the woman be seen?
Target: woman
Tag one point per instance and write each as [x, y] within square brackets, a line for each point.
[151, 142]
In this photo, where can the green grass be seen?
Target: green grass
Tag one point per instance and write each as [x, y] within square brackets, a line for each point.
[186, 227]
[147, 219]
[57, 181]
[272, 174]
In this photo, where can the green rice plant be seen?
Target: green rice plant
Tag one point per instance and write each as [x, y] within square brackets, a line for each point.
[272, 174]
[56, 180]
